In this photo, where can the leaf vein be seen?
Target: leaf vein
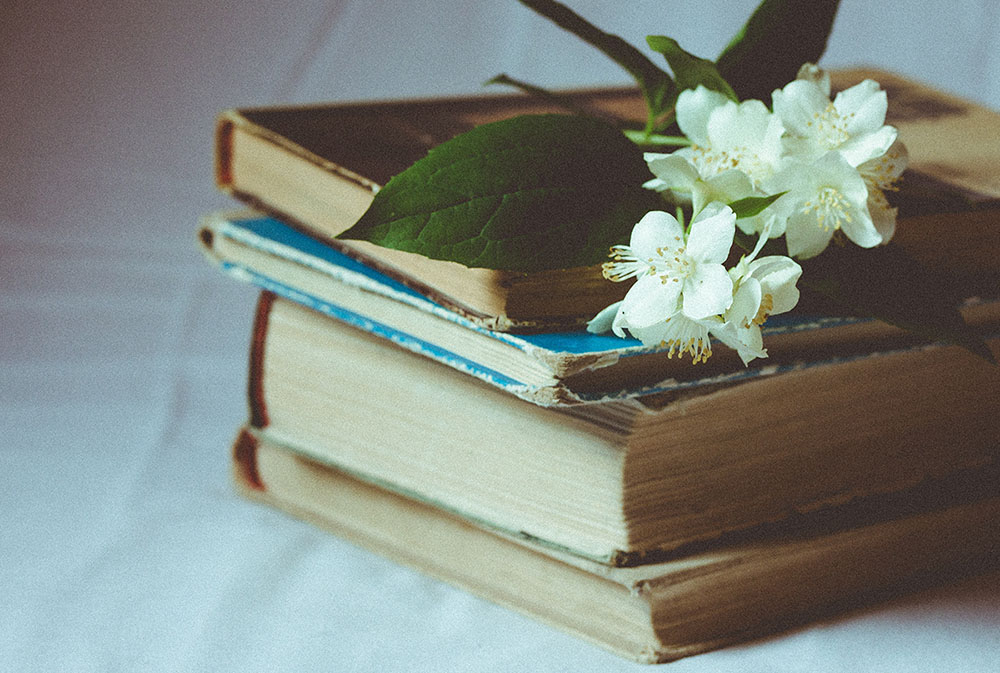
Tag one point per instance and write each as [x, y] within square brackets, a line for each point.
[472, 199]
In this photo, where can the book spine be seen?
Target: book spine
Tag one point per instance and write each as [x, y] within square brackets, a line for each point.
[246, 472]
[255, 388]
[224, 152]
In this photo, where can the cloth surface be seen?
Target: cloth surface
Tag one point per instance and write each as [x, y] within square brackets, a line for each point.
[123, 354]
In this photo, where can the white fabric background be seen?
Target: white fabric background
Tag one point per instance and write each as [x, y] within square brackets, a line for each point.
[122, 354]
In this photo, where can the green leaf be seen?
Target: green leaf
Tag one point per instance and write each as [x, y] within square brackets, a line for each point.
[689, 70]
[658, 89]
[887, 284]
[525, 194]
[753, 205]
[778, 38]
[748, 207]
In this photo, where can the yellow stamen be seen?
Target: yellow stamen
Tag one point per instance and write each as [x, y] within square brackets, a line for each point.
[766, 306]
[831, 207]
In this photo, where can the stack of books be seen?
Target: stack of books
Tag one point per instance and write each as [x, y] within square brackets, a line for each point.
[463, 422]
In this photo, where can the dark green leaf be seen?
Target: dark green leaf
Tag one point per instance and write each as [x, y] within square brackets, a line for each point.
[657, 87]
[887, 284]
[744, 241]
[778, 38]
[689, 70]
[526, 194]
[748, 207]
[753, 205]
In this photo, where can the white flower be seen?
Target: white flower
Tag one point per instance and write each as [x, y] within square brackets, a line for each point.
[764, 287]
[853, 124]
[675, 173]
[817, 75]
[822, 197]
[839, 157]
[605, 320]
[675, 271]
[880, 175]
[656, 309]
[680, 281]
[680, 335]
[726, 135]
[735, 148]
[830, 161]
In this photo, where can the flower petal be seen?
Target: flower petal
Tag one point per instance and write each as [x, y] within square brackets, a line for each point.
[805, 237]
[817, 75]
[650, 300]
[707, 292]
[746, 302]
[693, 109]
[796, 104]
[738, 125]
[656, 185]
[650, 336]
[675, 171]
[747, 342]
[864, 105]
[726, 187]
[883, 215]
[862, 148]
[683, 336]
[883, 171]
[619, 324]
[654, 230]
[602, 322]
[712, 231]
[860, 228]
[777, 276]
[730, 185]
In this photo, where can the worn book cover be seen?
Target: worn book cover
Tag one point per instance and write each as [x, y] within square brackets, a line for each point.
[318, 166]
[735, 590]
[626, 479]
[547, 368]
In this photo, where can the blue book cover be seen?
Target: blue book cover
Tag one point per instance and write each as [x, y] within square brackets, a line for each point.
[552, 368]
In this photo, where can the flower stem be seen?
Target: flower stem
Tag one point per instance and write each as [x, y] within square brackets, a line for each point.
[644, 138]
[559, 100]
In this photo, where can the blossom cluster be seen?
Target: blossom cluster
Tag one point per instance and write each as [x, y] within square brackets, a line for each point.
[829, 162]
[684, 295]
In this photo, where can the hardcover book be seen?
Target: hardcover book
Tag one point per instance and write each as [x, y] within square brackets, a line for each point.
[768, 580]
[547, 368]
[319, 166]
[628, 480]
[460, 420]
